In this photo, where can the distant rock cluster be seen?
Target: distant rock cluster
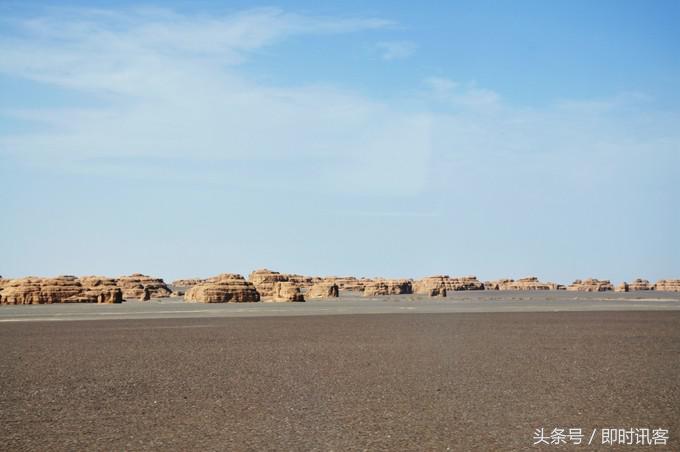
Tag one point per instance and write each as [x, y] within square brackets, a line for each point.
[272, 286]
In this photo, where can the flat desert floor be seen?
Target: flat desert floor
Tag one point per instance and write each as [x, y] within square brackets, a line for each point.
[475, 371]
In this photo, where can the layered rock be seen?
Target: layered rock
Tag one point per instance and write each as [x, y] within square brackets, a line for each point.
[668, 285]
[638, 284]
[433, 286]
[499, 284]
[590, 285]
[286, 291]
[463, 283]
[103, 289]
[323, 289]
[381, 287]
[62, 289]
[528, 283]
[264, 281]
[349, 283]
[134, 286]
[225, 288]
[185, 283]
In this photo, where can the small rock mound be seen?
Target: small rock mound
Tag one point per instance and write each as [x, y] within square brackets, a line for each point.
[323, 289]
[433, 286]
[591, 285]
[668, 285]
[186, 283]
[463, 283]
[134, 286]
[225, 288]
[381, 287]
[286, 291]
[265, 280]
[637, 285]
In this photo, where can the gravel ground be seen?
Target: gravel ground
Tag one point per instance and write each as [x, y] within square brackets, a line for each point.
[456, 381]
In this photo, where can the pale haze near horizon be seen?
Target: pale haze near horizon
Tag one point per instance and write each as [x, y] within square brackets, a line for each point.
[188, 139]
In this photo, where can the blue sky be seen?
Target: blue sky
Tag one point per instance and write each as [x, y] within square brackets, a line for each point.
[501, 139]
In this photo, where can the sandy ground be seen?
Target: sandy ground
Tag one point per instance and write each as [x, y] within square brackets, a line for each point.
[456, 381]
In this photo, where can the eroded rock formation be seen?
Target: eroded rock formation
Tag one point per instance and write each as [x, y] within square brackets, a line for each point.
[286, 291]
[265, 280]
[637, 285]
[380, 287]
[591, 285]
[668, 285]
[323, 289]
[62, 289]
[133, 286]
[463, 283]
[225, 288]
[433, 286]
[185, 283]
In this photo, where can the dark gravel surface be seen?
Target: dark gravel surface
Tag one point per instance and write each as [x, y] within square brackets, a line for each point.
[471, 381]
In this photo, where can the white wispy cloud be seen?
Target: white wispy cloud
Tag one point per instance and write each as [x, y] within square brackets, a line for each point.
[171, 87]
[396, 50]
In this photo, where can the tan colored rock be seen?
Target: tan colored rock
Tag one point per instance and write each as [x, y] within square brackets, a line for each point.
[528, 283]
[62, 289]
[381, 287]
[433, 286]
[590, 285]
[185, 283]
[668, 285]
[103, 289]
[638, 285]
[323, 290]
[349, 283]
[133, 286]
[463, 283]
[499, 284]
[264, 281]
[286, 291]
[225, 288]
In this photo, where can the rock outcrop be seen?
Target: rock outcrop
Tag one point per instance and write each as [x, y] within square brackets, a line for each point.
[62, 289]
[637, 285]
[101, 288]
[668, 285]
[323, 289]
[349, 283]
[225, 288]
[133, 286]
[264, 281]
[186, 283]
[381, 287]
[463, 283]
[286, 291]
[590, 285]
[499, 284]
[433, 286]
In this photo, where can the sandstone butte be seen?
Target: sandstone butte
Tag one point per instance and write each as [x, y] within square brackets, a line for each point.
[463, 283]
[349, 283]
[433, 286]
[286, 291]
[142, 287]
[590, 285]
[186, 283]
[637, 285]
[275, 286]
[323, 289]
[528, 283]
[668, 285]
[62, 289]
[224, 288]
[380, 287]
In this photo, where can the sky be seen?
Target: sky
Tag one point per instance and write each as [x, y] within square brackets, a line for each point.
[397, 139]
